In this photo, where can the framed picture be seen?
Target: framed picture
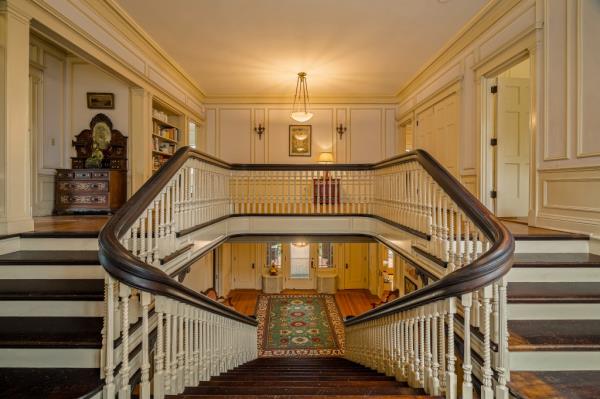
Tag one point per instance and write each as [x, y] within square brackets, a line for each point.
[409, 286]
[101, 100]
[300, 140]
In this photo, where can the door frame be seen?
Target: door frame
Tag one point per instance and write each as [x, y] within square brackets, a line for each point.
[311, 282]
[485, 71]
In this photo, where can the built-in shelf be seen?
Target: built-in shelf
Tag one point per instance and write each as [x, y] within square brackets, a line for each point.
[166, 133]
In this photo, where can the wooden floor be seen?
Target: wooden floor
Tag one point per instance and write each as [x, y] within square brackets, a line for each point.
[87, 224]
[350, 302]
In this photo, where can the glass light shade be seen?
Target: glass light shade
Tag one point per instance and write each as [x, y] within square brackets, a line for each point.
[326, 157]
[301, 116]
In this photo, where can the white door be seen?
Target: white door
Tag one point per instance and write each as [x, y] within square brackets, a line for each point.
[243, 266]
[300, 266]
[512, 132]
[356, 266]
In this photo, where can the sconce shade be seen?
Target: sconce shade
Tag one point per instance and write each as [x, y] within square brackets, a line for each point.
[326, 157]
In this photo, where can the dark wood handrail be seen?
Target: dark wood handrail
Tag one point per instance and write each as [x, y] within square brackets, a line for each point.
[492, 265]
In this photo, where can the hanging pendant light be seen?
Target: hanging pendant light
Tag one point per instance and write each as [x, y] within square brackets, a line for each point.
[300, 109]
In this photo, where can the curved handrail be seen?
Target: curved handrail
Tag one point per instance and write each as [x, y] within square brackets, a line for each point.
[121, 264]
[492, 265]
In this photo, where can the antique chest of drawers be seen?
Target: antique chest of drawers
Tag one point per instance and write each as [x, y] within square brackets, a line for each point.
[89, 191]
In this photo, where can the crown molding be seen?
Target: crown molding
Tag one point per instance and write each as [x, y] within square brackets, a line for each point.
[391, 100]
[146, 39]
[481, 22]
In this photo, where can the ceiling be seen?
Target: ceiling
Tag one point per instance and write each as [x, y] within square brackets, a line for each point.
[254, 48]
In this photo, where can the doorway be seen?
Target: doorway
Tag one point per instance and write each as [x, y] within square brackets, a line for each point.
[507, 124]
[301, 266]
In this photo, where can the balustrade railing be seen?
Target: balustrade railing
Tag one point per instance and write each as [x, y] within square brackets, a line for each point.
[184, 337]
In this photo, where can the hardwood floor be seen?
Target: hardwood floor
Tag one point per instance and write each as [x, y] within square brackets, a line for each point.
[70, 224]
[350, 302]
[523, 231]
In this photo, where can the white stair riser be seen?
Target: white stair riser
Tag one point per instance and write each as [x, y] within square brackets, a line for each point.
[43, 272]
[551, 246]
[555, 361]
[554, 274]
[51, 308]
[553, 311]
[59, 244]
[9, 245]
[50, 358]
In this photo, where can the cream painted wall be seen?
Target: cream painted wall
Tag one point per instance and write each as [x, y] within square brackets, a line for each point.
[568, 193]
[229, 132]
[456, 74]
[200, 277]
[86, 78]
[560, 38]
[59, 112]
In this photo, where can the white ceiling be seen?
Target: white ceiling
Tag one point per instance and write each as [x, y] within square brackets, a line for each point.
[349, 48]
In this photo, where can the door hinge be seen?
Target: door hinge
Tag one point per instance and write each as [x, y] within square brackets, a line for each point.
[493, 194]
[494, 142]
[494, 89]
[417, 123]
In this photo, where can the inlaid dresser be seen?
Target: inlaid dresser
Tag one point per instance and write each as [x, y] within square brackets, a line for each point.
[89, 190]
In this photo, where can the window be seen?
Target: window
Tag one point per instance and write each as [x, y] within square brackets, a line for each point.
[300, 261]
[325, 255]
[192, 134]
[389, 262]
[274, 254]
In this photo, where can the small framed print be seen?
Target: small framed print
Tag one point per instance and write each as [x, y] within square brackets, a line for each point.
[409, 286]
[300, 140]
[101, 100]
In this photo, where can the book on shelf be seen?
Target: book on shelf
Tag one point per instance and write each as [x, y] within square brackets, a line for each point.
[170, 133]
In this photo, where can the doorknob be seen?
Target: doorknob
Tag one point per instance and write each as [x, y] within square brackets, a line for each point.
[253, 265]
[312, 263]
[346, 265]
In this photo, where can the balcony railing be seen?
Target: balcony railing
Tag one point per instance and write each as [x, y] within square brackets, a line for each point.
[412, 337]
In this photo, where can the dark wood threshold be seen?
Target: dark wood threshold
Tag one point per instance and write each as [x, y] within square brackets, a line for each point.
[175, 254]
[49, 257]
[431, 257]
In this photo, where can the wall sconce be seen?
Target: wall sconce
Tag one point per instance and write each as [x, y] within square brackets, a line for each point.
[259, 130]
[341, 129]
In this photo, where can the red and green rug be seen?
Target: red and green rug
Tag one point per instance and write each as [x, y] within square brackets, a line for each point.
[299, 325]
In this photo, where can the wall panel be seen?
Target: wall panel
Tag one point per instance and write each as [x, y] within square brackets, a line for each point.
[235, 129]
[365, 135]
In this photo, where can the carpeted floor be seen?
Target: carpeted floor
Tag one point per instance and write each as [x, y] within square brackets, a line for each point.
[299, 325]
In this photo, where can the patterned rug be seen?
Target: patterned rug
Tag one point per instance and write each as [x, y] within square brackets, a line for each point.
[299, 325]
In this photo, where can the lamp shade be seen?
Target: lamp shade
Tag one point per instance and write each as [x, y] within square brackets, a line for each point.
[301, 116]
[326, 157]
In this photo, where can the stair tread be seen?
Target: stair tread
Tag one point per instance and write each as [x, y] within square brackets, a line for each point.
[56, 383]
[50, 258]
[555, 384]
[554, 292]
[554, 335]
[302, 378]
[556, 260]
[278, 396]
[52, 289]
[50, 332]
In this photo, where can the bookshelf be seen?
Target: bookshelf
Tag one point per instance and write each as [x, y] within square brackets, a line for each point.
[167, 133]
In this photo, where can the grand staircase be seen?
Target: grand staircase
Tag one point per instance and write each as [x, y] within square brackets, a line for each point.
[301, 378]
[51, 303]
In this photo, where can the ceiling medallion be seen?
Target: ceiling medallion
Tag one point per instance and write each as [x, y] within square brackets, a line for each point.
[300, 109]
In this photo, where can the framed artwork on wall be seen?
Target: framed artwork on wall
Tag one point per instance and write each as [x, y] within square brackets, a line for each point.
[100, 100]
[409, 286]
[300, 140]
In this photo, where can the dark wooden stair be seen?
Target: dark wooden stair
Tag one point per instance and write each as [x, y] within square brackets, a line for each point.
[302, 378]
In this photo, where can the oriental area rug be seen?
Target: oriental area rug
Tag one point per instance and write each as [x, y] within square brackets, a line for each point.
[299, 326]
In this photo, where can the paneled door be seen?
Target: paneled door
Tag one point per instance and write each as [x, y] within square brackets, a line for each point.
[243, 266]
[512, 132]
[300, 266]
[356, 266]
